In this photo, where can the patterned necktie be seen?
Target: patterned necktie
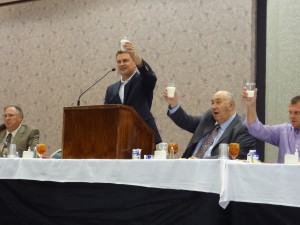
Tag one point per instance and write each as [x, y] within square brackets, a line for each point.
[207, 142]
[8, 139]
[4, 150]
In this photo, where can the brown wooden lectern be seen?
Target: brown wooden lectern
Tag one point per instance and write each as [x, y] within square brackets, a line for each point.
[104, 132]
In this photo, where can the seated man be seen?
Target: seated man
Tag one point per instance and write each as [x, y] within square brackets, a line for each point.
[285, 136]
[13, 131]
[221, 120]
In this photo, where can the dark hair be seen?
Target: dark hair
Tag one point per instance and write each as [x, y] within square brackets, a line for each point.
[18, 109]
[295, 100]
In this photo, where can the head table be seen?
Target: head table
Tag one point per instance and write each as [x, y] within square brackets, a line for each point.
[149, 191]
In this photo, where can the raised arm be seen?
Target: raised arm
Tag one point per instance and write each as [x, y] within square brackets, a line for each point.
[251, 106]
[134, 55]
[171, 101]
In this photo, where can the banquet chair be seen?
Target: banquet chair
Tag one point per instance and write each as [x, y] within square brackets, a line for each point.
[57, 154]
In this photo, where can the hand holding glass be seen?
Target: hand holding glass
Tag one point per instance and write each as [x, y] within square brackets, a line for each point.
[171, 90]
[122, 43]
[250, 86]
[234, 150]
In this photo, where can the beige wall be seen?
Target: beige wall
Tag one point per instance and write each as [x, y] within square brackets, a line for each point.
[52, 50]
[283, 67]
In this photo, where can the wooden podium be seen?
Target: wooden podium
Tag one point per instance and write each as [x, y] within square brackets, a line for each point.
[105, 132]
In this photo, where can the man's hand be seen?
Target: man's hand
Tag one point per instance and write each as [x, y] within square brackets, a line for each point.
[172, 101]
[251, 105]
[133, 54]
[249, 101]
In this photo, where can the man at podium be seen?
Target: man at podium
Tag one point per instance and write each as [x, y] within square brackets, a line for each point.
[135, 87]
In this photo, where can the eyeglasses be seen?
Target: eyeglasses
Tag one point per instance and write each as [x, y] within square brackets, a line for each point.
[4, 116]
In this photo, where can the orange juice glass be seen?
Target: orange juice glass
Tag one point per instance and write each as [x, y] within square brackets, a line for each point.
[234, 150]
[41, 149]
[175, 147]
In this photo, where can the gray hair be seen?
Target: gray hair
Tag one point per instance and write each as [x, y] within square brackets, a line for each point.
[230, 97]
[17, 108]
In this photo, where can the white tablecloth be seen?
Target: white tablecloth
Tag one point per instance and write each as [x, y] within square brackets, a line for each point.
[233, 180]
[191, 175]
[277, 184]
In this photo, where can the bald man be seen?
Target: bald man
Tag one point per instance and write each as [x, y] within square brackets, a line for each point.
[222, 115]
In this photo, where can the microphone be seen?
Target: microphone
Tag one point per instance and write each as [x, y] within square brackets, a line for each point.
[78, 101]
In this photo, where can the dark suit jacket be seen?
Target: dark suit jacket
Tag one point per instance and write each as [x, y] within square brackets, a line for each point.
[138, 93]
[200, 125]
[26, 137]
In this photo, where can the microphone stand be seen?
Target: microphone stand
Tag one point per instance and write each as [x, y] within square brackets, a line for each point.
[78, 101]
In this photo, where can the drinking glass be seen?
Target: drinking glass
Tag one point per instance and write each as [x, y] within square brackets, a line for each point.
[223, 151]
[12, 151]
[171, 90]
[234, 150]
[122, 43]
[173, 146]
[41, 149]
[250, 89]
[163, 146]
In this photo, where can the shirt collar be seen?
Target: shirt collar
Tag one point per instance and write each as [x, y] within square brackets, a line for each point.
[14, 132]
[224, 125]
[125, 81]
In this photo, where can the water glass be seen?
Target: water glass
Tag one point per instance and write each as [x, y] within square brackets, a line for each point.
[250, 89]
[122, 42]
[12, 151]
[223, 151]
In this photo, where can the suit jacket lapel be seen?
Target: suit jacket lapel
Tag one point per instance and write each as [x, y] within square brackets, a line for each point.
[2, 135]
[116, 89]
[201, 132]
[126, 92]
[115, 93]
[19, 134]
[128, 88]
[228, 131]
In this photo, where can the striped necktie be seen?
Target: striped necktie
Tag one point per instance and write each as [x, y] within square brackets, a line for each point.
[207, 142]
